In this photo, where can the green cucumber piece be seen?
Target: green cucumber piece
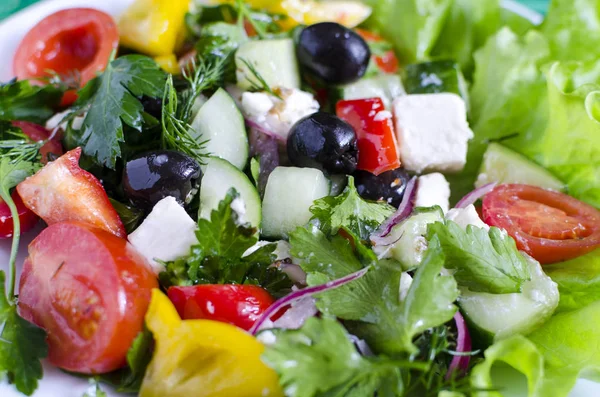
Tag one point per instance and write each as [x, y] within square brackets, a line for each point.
[497, 316]
[412, 244]
[384, 86]
[218, 177]
[289, 194]
[338, 184]
[503, 165]
[436, 77]
[221, 124]
[274, 60]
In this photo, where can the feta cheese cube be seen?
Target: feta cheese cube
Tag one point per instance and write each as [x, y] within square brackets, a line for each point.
[433, 189]
[432, 131]
[278, 114]
[166, 234]
[466, 216]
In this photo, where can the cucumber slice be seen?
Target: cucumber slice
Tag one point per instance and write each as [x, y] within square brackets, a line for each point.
[503, 165]
[435, 77]
[384, 86]
[497, 316]
[220, 176]
[338, 184]
[220, 122]
[274, 60]
[289, 194]
[412, 244]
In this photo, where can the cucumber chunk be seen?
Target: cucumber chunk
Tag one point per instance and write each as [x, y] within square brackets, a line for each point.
[496, 316]
[220, 176]
[435, 77]
[503, 165]
[289, 194]
[412, 244]
[274, 60]
[384, 86]
[221, 124]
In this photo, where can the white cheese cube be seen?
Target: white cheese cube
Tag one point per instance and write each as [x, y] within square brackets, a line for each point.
[433, 189]
[432, 131]
[466, 216]
[166, 234]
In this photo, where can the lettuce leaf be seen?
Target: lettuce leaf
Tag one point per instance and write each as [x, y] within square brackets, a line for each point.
[578, 281]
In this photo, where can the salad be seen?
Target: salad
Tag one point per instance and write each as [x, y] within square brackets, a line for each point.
[299, 198]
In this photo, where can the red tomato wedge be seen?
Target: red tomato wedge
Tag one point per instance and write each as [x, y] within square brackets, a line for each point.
[548, 225]
[26, 217]
[240, 305]
[386, 61]
[62, 191]
[377, 152]
[90, 291]
[74, 43]
[38, 133]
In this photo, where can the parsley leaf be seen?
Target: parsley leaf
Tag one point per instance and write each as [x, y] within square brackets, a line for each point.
[350, 210]
[372, 305]
[320, 360]
[113, 99]
[218, 258]
[22, 345]
[484, 261]
[20, 100]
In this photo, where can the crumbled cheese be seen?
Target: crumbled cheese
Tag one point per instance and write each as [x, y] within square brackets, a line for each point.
[466, 216]
[433, 189]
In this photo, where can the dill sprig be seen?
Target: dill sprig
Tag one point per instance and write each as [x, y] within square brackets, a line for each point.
[260, 84]
[17, 146]
[245, 14]
[176, 131]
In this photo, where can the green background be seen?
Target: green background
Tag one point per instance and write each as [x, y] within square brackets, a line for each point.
[8, 7]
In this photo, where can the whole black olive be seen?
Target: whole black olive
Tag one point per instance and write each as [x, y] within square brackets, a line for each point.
[323, 141]
[388, 186]
[152, 176]
[333, 53]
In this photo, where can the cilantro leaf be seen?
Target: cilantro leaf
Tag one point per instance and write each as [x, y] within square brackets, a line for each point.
[22, 346]
[372, 304]
[320, 360]
[350, 210]
[218, 258]
[113, 99]
[484, 261]
[20, 100]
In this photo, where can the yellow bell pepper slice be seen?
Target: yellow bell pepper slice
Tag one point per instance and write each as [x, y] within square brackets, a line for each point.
[203, 358]
[168, 63]
[153, 27]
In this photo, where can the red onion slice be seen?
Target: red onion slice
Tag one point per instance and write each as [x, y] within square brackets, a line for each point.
[263, 129]
[460, 363]
[403, 212]
[297, 295]
[471, 198]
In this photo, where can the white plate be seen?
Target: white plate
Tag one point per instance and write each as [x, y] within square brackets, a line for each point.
[55, 383]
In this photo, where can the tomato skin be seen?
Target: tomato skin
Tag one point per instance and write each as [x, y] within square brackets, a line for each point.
[550, 226]
[62, 191]
[386, 62]
[72, 42]
[240, 305]
[90, 291]
[26, 217]
[39, 133]
[377, 149]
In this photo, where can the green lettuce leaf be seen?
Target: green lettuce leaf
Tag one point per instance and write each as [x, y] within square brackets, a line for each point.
[573, 29]
[578, 281]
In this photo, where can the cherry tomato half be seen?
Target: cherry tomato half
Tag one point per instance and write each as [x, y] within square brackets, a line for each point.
[240, 305]
[377, 150]
[386, 61]
[73, 42]
[26, 217]
[38, 133]
[550, 226]
[90, 291]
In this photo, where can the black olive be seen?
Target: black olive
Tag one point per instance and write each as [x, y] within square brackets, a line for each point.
[333, 53]
[323, 141]
[152, 176]
[152, 106]
[388, 186]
